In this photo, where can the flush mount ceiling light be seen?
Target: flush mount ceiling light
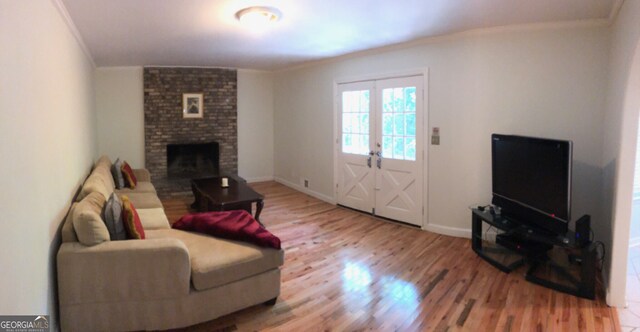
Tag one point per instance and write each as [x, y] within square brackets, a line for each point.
[258, 16]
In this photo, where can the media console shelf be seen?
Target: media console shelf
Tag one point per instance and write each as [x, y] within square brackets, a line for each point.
[556, 262]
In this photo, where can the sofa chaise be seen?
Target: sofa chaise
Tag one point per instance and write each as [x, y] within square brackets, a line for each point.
[170, 279]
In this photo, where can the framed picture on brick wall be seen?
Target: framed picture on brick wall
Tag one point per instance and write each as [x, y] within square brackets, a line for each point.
[192, 105]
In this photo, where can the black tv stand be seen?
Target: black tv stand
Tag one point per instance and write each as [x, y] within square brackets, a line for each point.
[546, 254]
[514, 241]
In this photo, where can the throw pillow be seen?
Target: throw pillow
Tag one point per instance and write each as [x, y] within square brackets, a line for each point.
[127, 172]
[132, 222]
[118, 179]
[113, 218]
[87, 221]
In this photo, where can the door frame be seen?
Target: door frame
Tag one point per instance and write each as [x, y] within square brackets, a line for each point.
[424, 72]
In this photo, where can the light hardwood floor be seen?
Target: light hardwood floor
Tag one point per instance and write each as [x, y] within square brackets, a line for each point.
[347, 271]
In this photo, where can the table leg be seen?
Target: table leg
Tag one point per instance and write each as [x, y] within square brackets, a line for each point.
[259, 206]
[196, 195]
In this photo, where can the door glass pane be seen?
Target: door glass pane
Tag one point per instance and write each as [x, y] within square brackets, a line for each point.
[399, 123]
[364, 101]
[410, 124]
[387, 146]
[356, 144]
[346, 122]
[348, 102]
[364, 145]
[387, 100]
[387, 124]
[364, 123]
[347, 143]
[398, 100]
[398, 148]
[410, 148]
[410, 99]
[355, 122]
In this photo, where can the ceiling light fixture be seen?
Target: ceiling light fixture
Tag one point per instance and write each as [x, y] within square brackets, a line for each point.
[258, 16]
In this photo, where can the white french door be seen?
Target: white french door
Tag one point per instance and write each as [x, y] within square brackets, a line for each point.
[355, 155]
[380, 159]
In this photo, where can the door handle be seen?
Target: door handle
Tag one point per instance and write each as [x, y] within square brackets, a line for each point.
[379, 159]
[369, 158]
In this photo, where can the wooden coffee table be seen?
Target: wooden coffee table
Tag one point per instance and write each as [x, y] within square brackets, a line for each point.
[210, 196]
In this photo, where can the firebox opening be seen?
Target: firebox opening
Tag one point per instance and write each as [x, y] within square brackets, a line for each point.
[193, 160]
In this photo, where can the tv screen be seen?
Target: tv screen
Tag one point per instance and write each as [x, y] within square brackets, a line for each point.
[532, 180]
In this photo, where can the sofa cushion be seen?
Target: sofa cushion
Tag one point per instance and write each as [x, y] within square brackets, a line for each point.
[153, 218]
[112, 217]
[143, 200]
[116, 173]
[106, 177]
[103, 161]
[129, 177]
[103, 165]
[99, 180]
[141, 187]
[67, 232]
[142, 174]
[216, 262]
[131, 219]
[87, 220]
[94, 184]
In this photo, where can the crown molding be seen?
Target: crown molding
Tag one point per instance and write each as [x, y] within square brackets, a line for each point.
[120, 67]
[62, 10]
[254, 71]
[181, 66]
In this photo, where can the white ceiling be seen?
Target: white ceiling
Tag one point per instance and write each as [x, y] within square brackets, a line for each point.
[206, 33]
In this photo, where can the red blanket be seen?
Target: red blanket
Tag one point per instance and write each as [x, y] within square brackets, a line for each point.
[234, 225]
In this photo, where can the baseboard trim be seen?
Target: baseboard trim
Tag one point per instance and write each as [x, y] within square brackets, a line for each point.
[307, 191]
[259, 179]
[450, 231]
[439, 229]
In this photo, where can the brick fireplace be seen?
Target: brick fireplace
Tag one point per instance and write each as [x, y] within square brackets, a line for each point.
[165, 126]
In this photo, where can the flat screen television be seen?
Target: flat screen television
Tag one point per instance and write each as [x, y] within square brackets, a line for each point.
[531, 180]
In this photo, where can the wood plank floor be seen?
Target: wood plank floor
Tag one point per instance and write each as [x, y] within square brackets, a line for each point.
[347, 271]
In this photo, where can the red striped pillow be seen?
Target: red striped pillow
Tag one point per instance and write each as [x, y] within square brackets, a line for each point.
[128, 175]
[132, 222]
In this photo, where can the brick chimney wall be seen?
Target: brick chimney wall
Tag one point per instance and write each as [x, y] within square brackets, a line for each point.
[164, 123]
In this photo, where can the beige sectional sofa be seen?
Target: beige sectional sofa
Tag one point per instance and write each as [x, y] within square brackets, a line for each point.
[170, 279]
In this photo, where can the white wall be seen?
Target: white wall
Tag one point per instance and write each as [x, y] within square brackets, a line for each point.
[47, 130]
[546, 81]
[255, 125]
[120, 108]
[120, 111]
[620, 135]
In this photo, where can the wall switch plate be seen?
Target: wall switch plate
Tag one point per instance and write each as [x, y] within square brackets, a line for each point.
[435, 136]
